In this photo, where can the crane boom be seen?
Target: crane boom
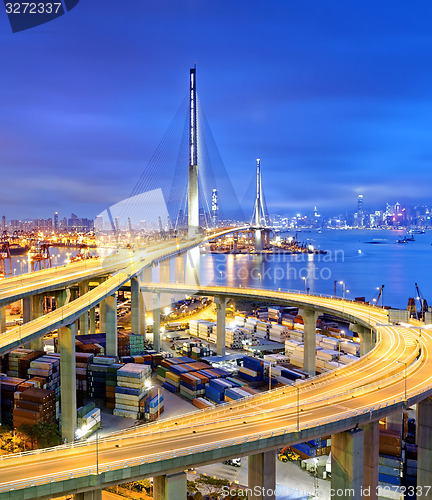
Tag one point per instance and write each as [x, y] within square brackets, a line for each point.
[424, 307]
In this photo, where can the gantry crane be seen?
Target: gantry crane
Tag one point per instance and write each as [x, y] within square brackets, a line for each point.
[40, 257]
[83, 254]
[380, 294]
[424, 307]
[6, 270]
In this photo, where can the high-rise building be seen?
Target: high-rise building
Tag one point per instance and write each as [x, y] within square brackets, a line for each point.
[397, 208]
[360, 203]
[56, 221]
[4, 223]
[99, 223]
[215, 207]
[360, 211]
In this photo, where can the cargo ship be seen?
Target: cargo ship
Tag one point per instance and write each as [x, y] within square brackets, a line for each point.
[17, 249]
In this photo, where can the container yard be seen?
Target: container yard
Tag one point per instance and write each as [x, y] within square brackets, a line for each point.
[142, 385]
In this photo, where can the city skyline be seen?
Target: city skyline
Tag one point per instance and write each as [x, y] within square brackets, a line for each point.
[390, 216]
[335, 105]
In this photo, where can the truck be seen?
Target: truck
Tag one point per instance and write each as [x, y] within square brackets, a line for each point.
[288, 455]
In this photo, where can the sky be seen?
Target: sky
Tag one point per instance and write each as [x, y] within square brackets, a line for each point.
[335, 97]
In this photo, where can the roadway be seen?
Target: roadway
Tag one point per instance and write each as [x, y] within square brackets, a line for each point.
[376, 381]
[376, 385]
[120, 267]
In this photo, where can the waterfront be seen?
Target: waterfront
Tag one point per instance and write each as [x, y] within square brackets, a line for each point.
[351, 258]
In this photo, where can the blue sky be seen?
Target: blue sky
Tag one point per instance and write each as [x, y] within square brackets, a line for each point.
[335, 97]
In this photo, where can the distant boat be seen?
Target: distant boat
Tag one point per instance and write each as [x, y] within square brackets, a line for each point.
[411, 238]
[404, 240]
[417, 231]
[377, 241]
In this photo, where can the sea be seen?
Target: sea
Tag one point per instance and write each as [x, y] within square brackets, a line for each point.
[356, 263]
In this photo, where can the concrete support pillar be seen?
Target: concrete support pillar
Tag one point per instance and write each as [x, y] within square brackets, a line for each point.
[102, 317]
[147, 278]
[258, 241]
[37, 306]
[370, 460]
[179, 273]
[32, 309]
[394, 422]
[309, 319]
[156, 321]
[193, 267]
[89, 495]
[165, 277]
[68, 382]
[220, 318]
[347, 459]
[170, 487]
[37, 312]
[92, 321]
[27, 309]
[62, 297]
[165, 271]
[135, 306]
[111, 325]
[367, 337]
[142, 315]
[179, 268]
[2, 319]
[424, 445]
[84, 319]
[262, 475]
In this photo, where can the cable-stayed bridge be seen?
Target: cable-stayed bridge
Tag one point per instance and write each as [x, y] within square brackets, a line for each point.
[393, 373]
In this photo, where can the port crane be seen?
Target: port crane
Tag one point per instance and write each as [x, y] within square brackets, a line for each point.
[6, 270]
[424, 307]
[40, 257]
[380, 296]
[412, 306]
[83, 254]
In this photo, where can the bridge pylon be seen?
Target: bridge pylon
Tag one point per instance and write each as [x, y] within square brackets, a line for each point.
[260, 217]
[193, 199]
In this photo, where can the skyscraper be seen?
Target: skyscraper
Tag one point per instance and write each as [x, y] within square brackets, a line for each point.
[56, 221]
[215, 207]
[360, 203]
[360, 211]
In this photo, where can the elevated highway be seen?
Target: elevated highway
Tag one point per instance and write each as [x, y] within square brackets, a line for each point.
[395, 374]
[112, 271]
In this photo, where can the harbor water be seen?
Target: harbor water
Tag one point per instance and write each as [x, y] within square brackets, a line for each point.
[362, 259]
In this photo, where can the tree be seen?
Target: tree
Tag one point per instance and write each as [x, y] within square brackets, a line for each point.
[30, 434]
[47, 435]
[210, 486]
[42, 435]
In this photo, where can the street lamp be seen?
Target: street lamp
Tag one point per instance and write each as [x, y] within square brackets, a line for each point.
[304, 279]
[343, 284]
[270, 376]
[97, 446]
[83, 431]
[298, 408]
